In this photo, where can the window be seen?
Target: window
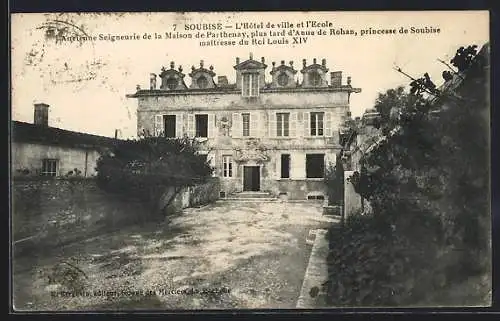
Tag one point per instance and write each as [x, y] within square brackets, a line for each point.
[283, 79]
[315, 165]
[202, 82]
[169, 122]
[49, 167]
[317, 124]
[285, 166]
[283, 124]
[315, 78]
[201, 125]
[246, 124]
[172, 83]
[250, 85]
[227, 166]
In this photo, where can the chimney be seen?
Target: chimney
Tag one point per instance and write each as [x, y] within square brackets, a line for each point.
[41, 114]
[323, 62]
[336, 78]
[237, 60]
[152, 81]
[263, 60]
[222, 81]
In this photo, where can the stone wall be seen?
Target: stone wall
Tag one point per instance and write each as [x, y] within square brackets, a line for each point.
[192, 196]
[53, 211]
[352, 200]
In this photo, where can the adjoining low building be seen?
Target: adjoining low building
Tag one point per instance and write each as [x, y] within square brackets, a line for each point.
[274, 136]
[41, 150]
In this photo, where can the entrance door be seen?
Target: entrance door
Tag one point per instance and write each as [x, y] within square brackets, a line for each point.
[251, 178]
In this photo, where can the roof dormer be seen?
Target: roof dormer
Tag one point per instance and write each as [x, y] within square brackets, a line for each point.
[172, 79]
[251, 72]
[314, 75]
[202, 78]
[283, 75]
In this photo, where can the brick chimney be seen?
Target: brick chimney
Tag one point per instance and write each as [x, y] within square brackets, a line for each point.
[336, 78]
[41, 114]
[222, 81]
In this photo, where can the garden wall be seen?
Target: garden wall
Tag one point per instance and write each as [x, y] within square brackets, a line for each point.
[54, 211]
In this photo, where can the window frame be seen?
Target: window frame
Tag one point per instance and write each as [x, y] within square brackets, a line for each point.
[196, 129]
[227, 166]
[247, 132]
[165, 125]
[281, 130]
[314, 120]
[314, 79]
[49, 172]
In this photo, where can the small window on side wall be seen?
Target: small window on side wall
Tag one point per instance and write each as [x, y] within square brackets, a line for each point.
[49, 167]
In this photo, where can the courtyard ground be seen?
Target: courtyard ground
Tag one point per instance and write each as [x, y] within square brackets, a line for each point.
[234, 254]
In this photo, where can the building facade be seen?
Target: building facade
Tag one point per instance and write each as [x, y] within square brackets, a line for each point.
[273, 135]
[40, 150]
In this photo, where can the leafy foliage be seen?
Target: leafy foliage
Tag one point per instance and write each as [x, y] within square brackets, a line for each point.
[463, 57]
[428, 186]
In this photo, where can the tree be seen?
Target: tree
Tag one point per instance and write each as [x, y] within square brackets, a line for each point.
[142, 168]
[390, 103]
[428, 186]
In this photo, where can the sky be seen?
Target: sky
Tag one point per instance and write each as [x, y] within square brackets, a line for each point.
[86, 83]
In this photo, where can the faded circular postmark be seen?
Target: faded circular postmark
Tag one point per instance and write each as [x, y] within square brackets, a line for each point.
[63, 51]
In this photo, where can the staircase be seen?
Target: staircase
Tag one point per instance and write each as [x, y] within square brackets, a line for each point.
[251, 197]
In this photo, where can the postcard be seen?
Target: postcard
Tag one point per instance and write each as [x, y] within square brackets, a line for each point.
[250, 160]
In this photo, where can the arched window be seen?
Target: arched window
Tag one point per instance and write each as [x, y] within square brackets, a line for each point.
[172, 83]
[202, 82]
[283, 79]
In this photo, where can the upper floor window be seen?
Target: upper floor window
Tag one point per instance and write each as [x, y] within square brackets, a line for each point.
[49, 167]
[282, 124]
[169, 125]
[283, 79]
[246, 124]
[250, 85]
[202, 82]
[172, 83]
[227, 166]
[285, 165]
[317, 124]
[315, 165]
[201, 125]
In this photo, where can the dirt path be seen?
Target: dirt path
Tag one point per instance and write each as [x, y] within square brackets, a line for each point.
[234, 254]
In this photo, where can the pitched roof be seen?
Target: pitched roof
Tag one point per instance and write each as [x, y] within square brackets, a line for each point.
[31, 133]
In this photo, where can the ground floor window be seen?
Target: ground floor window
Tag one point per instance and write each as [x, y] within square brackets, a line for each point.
[49, 167]
[315, 165]
[227, 166]
[285, 166]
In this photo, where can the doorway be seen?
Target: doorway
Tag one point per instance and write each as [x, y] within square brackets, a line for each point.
[251, 178]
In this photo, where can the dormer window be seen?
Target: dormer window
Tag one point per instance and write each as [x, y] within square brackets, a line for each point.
[202, 82]
[172, 83]
[314, 78]
[250, 85]
[283, 79]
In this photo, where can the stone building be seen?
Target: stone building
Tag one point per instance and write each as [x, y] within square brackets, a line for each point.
[41, 150]
[269, 131]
